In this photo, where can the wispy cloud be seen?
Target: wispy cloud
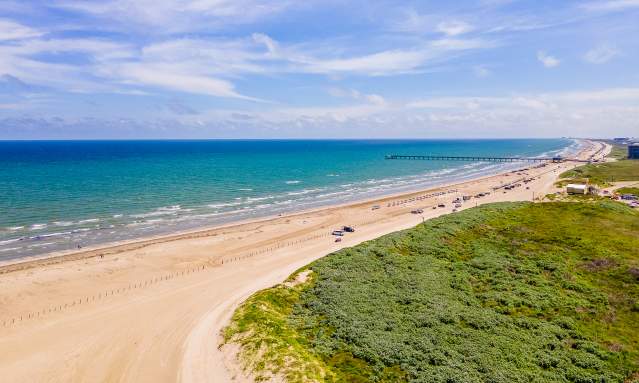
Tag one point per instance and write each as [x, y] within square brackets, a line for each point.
[481, 71]
[547, 60]
[171, 16]
[10, 30]
[601, 54]
[610, 5]
[454, 28]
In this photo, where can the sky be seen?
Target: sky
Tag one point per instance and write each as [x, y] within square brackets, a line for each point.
[125, 69]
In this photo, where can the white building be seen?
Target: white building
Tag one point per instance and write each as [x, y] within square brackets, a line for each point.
[577, 189]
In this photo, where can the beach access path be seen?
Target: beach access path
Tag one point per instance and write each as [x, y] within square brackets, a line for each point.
[152, 310]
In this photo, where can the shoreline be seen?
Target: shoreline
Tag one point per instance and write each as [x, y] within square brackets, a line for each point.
[154, 313]
[116, 247]
[52, 240]
[112, 248]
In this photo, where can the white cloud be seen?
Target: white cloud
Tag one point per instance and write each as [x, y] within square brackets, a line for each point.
[481, 71]
[547, 60]
[601, 54]
[372, 98]
[376, 99]
[611, 5]
[454, 28]
[10, 30]
[177, 15]
[143, 75]
[391, 62]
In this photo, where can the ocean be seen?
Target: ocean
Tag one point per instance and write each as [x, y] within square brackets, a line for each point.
[58, 195]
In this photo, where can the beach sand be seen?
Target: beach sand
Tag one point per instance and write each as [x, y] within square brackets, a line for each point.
[152, 310]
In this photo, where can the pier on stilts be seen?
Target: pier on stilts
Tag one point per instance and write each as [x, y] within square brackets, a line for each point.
[481, 158]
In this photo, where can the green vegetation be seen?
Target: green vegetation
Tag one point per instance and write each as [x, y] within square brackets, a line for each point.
[629, 190]
[512, 292]
[619, 152]
[604, 173]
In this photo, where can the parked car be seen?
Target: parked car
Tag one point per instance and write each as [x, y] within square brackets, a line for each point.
[349, 229]
[375, 207]
[338, 239]
[417, 211]
[441, 205]
[338, 233]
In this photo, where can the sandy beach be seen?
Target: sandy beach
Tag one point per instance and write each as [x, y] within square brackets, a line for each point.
[151, 310]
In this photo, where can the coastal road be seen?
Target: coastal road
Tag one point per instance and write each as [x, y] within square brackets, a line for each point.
[153, 313]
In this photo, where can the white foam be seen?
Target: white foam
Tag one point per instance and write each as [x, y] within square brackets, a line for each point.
[63, 223]
[10, 241]
[90, 220]
[292, 182]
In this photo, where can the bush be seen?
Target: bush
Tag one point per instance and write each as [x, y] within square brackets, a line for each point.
[499, 293]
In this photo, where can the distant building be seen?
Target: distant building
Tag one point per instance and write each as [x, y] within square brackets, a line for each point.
[576, 189]
[620, 139]
[633, 152]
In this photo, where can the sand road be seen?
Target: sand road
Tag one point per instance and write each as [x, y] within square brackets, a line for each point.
[153, 312]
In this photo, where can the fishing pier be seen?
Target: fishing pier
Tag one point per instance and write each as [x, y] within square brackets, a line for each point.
[481, 158]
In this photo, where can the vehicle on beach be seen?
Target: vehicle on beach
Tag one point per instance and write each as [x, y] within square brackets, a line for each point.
[467, 197]
[375, 207]
[339, 233]
[417, 211]
[458, 205]
[441, 205]
[348, 229]
[338, 239]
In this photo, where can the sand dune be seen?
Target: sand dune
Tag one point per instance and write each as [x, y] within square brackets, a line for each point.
[151, 311]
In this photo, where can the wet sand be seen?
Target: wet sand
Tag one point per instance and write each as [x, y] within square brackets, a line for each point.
[151, 311]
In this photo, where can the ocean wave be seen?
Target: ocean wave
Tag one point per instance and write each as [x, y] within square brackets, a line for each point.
[38, 226]
[292, 182]
[8, 241]
[45, 244]
[90, 220]
[63, 223]
[257, 199]
[305, 191]
[224, 204]
[10, 249]
[49, 235]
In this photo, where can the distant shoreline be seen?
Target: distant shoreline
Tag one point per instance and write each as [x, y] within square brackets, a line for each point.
[111, 248]
[93, 223]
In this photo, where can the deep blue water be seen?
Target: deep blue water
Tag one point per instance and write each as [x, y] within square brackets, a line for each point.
[55, 195]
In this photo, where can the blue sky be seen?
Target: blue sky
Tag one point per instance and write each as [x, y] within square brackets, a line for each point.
[317, 69]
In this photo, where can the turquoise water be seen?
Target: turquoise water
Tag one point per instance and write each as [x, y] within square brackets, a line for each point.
[56, 195]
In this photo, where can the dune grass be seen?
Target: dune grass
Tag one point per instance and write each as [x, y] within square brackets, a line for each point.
[603, 174]
[629, 190]
[511, 292]
[619, 152]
